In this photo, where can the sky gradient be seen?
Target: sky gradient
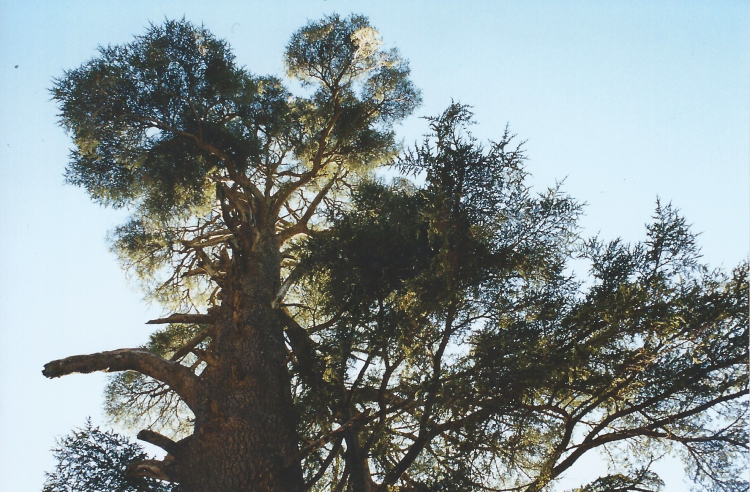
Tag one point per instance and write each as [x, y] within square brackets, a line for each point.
[625, 101]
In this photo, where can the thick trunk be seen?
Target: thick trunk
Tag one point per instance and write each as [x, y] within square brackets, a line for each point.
[360, 479]
[245, 439]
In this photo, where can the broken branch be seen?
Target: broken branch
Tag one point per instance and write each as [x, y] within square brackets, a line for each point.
[178, 377]
[196, 319]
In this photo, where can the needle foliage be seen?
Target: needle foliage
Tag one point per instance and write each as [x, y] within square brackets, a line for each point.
[435, 333]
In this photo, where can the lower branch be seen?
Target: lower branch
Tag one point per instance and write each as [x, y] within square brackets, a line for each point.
[160, 470]
[198, 319]
[178, 377]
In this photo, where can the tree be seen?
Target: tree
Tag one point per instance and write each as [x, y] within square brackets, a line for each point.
[329, 331]
[90, 460]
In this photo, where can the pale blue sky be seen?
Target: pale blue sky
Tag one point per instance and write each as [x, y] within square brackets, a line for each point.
[629, 100]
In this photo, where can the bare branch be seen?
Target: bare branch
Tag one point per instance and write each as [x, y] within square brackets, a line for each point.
[301, 226]
[178, 377]
[158, 440]
[193, 319]
[291, 278]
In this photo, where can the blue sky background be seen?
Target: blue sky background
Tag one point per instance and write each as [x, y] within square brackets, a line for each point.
[626, 100]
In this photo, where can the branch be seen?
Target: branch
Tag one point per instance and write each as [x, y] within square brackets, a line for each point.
[178, 377]
[315, 445]
[291, 278]
[684, 379]
[193, 319]
[206, 243]
[326, 463]
[301, 226]
[304, 351]
[590, 442]
[160, 470]
[211, 149]
[190, 344]
[157, 440]
[286, 190]
[395, 473]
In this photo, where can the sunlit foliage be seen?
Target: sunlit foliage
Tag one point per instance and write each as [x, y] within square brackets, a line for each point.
[435, 335]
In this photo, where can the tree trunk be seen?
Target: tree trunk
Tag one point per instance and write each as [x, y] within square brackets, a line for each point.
[245, 439]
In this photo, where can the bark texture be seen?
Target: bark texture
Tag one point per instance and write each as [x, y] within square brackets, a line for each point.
[245, 426]
[246, 437]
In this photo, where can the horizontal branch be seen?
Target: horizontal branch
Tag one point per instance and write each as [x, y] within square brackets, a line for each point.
[207, 243]
[157, 440]
[183, 381]
[194, 319]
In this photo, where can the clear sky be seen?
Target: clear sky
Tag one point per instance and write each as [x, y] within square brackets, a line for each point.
[626, 100]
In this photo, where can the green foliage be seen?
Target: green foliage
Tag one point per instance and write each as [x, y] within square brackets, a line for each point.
[356, 83]
[91, 460]
[170, 126]
[131, 111]
[449, 311]
[437, 337]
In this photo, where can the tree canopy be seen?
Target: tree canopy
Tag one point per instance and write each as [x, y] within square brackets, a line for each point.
[329, 330]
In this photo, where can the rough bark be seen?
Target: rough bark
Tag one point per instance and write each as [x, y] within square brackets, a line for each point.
[246, 441]
[245, 425]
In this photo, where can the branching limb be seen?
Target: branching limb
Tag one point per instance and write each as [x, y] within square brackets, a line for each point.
[301, 226]
[334, 434]
[591, 441]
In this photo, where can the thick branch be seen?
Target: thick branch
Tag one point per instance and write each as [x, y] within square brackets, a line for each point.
[157, 440]
[304, 351]
[178, 377]
[160, 470]
[193, 319]
[315, 445]
[293, 277]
